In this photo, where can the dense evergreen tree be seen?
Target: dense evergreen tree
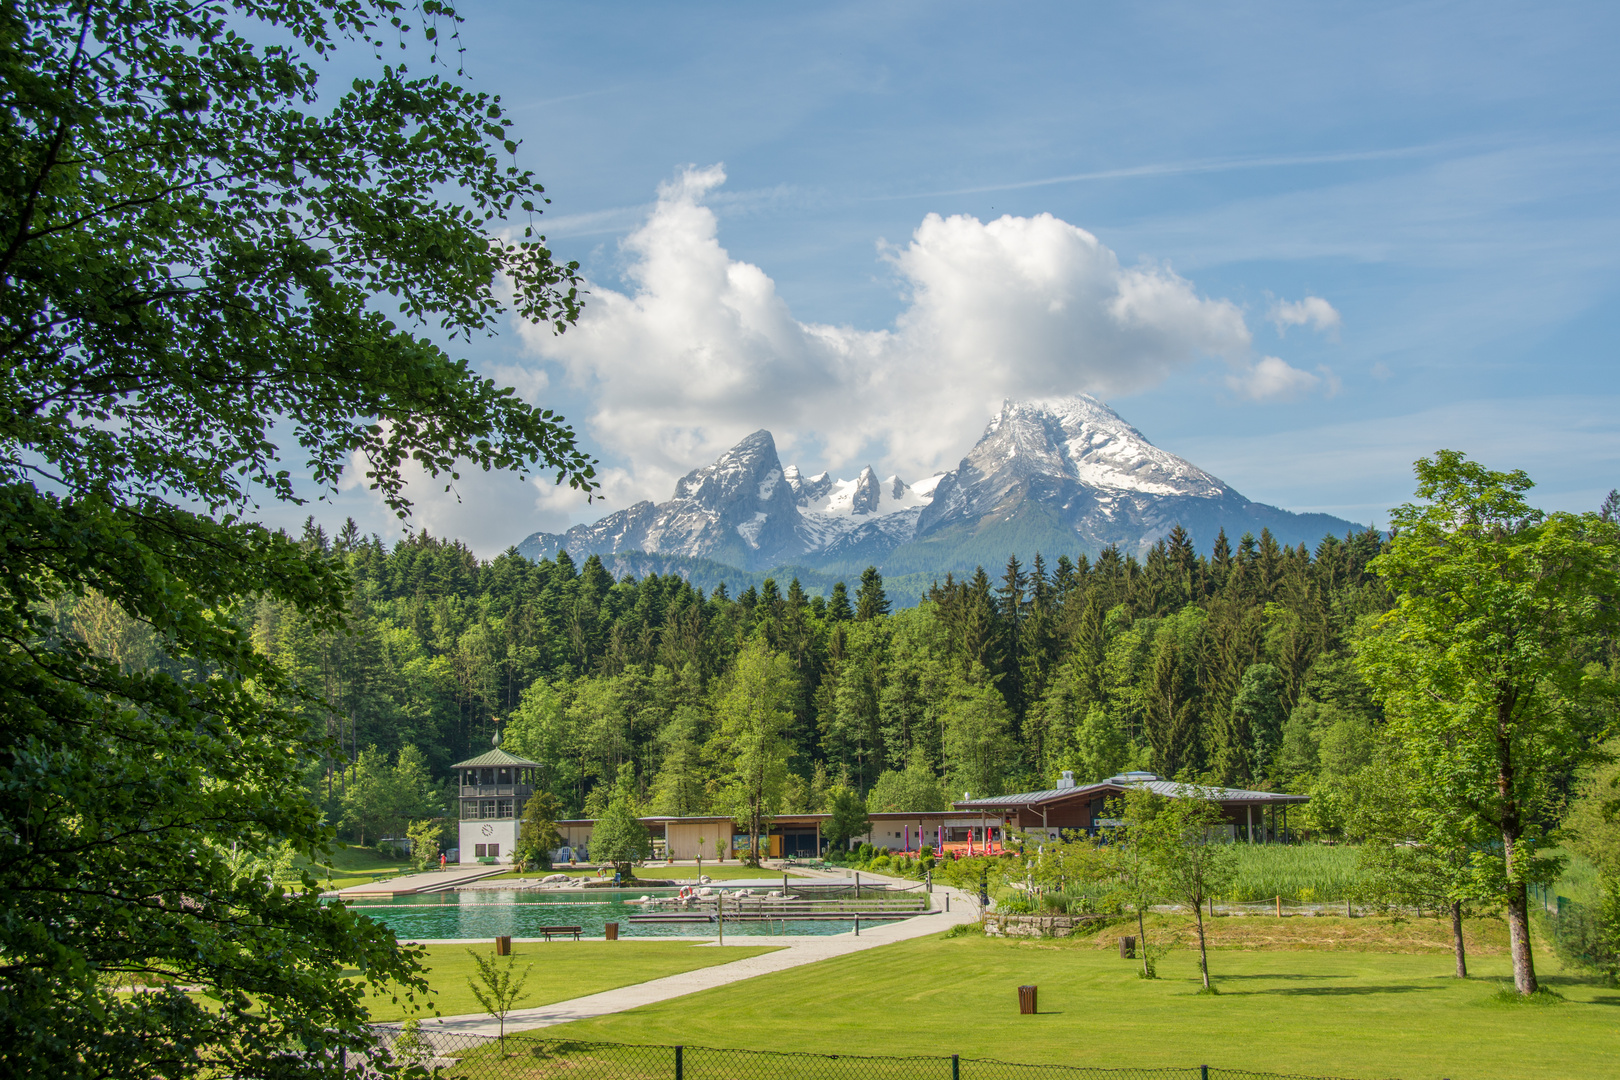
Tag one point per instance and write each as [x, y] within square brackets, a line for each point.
[1232, 666]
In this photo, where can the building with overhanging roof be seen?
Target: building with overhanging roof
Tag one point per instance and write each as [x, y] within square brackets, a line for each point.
[492, 789]
[1256, 816]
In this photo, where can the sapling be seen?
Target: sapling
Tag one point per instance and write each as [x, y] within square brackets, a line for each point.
[502, 987]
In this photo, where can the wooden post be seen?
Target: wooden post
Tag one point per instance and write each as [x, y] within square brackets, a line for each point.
[1279, 907]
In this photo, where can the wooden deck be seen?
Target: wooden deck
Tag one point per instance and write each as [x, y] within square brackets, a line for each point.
[427, 882]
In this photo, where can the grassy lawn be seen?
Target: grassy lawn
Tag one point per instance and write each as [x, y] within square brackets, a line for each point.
[1327, 1011]
[726, 872]
[561, 970]
[355, 866]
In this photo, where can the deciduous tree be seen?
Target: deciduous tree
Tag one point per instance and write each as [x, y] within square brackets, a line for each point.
[619, 837]
[1484, 665]
[195, 240]
[1182, 842]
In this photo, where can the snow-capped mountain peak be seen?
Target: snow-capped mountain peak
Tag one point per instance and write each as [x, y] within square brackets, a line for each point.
[1057, 475]
[863, 497]
[1093, 444]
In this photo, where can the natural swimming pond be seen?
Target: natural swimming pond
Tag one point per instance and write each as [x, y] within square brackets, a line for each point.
[487, 913]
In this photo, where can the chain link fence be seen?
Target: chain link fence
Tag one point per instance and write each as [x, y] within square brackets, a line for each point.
[1583, 934]
[530, 1056]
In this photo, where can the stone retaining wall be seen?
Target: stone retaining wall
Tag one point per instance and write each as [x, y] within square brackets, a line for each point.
[1049, 926]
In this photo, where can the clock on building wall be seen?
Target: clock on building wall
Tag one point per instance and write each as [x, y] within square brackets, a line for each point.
[489, 830]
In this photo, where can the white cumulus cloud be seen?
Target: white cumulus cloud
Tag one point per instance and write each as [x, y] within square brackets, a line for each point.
[1272, 379]
[1313, 311]
[700, 349]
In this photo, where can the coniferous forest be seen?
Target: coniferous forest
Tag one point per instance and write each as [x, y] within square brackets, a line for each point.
[1231, 664]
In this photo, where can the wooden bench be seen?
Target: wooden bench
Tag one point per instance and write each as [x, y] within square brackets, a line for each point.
[547, 931]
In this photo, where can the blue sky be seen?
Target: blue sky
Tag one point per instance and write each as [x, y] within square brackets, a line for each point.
[1443, 175]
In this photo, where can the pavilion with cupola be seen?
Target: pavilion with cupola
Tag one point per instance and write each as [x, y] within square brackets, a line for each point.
[493, 788]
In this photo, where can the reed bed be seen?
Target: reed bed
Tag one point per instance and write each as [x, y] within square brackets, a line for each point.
[1310, 873]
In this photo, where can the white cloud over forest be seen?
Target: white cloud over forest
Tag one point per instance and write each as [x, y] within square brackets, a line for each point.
[700, 349]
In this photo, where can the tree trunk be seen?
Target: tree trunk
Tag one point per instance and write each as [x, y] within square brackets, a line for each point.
[1203, 953]
[1518, 912]
[1457, 939]
[1518, 901]
[1141, 939]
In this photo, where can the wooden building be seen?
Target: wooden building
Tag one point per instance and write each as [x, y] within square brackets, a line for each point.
[972, 826]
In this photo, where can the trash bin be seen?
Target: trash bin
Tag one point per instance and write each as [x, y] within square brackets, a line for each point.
[1127, 947]
[1026, 1000]
[612, 931]
[503, 946]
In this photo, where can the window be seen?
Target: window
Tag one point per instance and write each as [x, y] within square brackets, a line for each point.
[478, 851]
[503, 808]
[469, 809]
[494, 851]
[486, 808]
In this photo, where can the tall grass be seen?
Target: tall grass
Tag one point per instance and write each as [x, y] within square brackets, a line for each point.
[1309, 873]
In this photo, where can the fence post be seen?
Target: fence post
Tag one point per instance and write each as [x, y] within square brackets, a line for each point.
[1203, 1072]
[956, 1067]
[679, 1065]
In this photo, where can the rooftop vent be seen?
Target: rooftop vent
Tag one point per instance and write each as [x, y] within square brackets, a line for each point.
[1067, 780]
[1131, 778]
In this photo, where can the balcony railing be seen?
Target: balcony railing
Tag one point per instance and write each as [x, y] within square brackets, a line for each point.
[491, 791]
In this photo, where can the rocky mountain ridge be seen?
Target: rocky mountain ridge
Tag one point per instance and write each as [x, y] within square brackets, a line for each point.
[1061, 476]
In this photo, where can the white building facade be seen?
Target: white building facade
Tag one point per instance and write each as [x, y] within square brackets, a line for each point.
[492, 789]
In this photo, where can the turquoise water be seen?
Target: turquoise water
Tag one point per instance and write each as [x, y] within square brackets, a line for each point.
[487, 913]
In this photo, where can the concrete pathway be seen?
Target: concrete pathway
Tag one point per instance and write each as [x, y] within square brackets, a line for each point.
[425, 882]
[797, 952]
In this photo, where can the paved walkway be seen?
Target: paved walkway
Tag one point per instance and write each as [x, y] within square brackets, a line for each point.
[797, 952]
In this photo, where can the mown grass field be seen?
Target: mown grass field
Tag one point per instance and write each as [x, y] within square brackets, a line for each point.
[557, 971]
[1283, 1006]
